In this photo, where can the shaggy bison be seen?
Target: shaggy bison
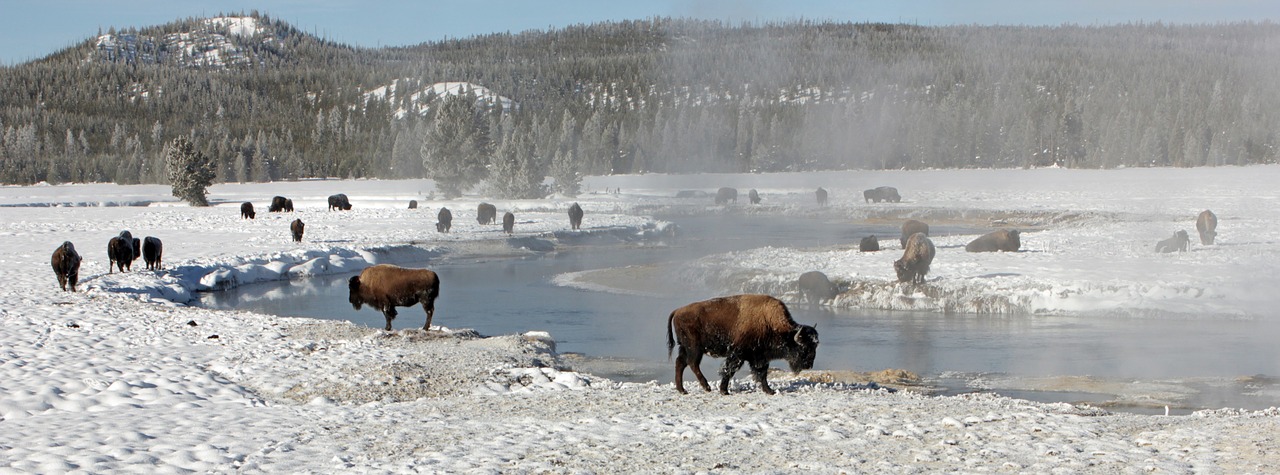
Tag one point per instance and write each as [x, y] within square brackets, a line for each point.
[339, 202]
[822, 196]
[66, 265]
[444, 220]
[1207, 225]
[916, 258]
[121, 251]
[753, 196]
[1179, 242]
[279, 204]
[754, 329]
[246, 210]
[486, 213]
[911, 227]
[296, 228]
[816, 287]
[883, 193]
[869, 244]
[385, 287]
[508, 222]
[725, 195]
[152, 252]
[1002, 240]
[413, 204]
[575, 216]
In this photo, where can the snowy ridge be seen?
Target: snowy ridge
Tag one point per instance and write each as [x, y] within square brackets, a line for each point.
[420, 100]
[213, 44]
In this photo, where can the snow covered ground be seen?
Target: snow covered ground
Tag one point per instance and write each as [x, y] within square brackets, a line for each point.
[123, 377]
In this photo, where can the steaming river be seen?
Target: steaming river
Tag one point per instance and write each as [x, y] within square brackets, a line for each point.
[1206, 363]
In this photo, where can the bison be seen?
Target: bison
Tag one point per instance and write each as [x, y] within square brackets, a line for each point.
[288, 204]
[575, 216]
[1207, 225]
[385, 287]
[444, 220]
[152, 252]
[339, 202]
[486, 213]
[413, 204]
[1002, 240]
[66, 265]
[246, 210]
[911, 227]
[883, 193]
[296, 228]
[279, 204]
[917, 255]
[822, 196]
[869, 244]
[753, 196]
[121, 251]
[1179, 242]
[725, 194]
[508, 222]
[816, 287]
[742, 328]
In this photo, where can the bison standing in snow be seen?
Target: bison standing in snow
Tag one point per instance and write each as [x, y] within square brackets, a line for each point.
[1179, 242]
[917, 256]
[413, 204]
[385, 287]
[816, 287]
[822, 196]
[279, 204]
[742, 328]
[1002, 240]
[869, 244]
[575, 216]
[911, 227]
[883, 193]
[246, 210]
[725, 195]
[152, 251]
[753, 196]
[66, 265]
[121, 251]
[486, 213]
[1207, 225]
[444, 220]
[508, 222]
[339, 202]
[296, 228]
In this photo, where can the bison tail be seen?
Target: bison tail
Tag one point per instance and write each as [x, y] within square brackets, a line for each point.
[671, 341]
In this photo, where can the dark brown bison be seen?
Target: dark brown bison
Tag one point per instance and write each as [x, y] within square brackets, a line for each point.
[444, 220]
[911, 227]
[883, 193]
[413, 204]
[816, 287]
[1179, 242]
[121, 251]
[339, 202]
[725, 195]
[869, 244]
[486, 213]
[385, 287]
[152, 252]
[296, 228]
[753, 196]
[508, 222]
[917, 256]
[288, 204]
[742, 328]
[822, 196]
[246, 210]
[1002, 240]
[1207, 225]
[575, 216]
[279, 204]
[66, 265]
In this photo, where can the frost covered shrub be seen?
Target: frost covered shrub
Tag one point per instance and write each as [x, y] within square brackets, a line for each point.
[190, 171]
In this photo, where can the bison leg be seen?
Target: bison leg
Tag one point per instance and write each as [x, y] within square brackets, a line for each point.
[430, 306]
[695, 363]
[390, 313]
[680, 364]
[731, 365]
[62, 281]
[760, 369]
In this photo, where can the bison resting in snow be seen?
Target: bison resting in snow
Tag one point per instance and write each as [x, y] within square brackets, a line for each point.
[508, 222]
[816, 287]
[725, 195]
[822, 196]
[339, 202]
[1207, 224]
[1002, 240]
[911, 227]
[66, 265]
[869, 244]
[122, 250]
[386, 287]
[1179, 242]
[575, 216]
[246, 210]
[486, 213]
[742, 328]
[152, 250]
[296, 228]
[917, 255]
[444, 220]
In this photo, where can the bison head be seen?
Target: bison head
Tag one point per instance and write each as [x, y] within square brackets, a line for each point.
[804, 348]
[354, 297]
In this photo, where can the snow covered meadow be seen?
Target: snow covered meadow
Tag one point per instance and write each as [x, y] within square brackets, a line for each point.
[123, 376]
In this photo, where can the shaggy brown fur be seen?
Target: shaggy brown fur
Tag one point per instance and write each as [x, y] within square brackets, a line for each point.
[121, 251]
[339, 202]
[66, 265]
[869, 244]
[883, 193]
[816, 287]
[444, 220]
[725, 195]
[575, 216]
[822, 196]
[753, 196]
[296, 228]
[246, 210]
[508, 223]
[1002, 240]
[152, 252]
[742, 328]
[911, 227]
[916, 259]
[486, 213]
[280, 203]
[1207, 225]
[386, 287]
[1179, 242]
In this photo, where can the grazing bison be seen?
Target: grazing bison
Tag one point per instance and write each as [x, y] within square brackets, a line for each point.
[66, 265]
[385, 287]
[883, 193]
[508, 222]
[916, 258]
[1179, 242]
[1207, 225]
[869, 244]
[121, 251]
[444, 220]
[486, 213]
[742, 328]
[339, 202]
[296, 228]
[1002, 240]
[413, 204]
[288, 204]
[911, 227]
[246, 210]
[725, 195]
[816, 287]
[575, 216]
[279, 204]
[822, 196]
[152, 252]
[753, 196]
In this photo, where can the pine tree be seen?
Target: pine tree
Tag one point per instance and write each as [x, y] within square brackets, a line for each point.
[451, 151]
[190, 172]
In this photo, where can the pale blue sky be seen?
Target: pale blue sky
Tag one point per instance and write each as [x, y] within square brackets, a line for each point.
[31, 29]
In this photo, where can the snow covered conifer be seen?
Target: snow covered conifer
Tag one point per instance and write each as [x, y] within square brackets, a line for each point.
[190, 172]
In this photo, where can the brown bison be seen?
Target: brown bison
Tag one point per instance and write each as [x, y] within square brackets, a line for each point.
[246, 210]
[816, 287]
[1179, 242]
[413, 204]
[122, 250]
[66, 265]
[822, 196]
[575, 216]
[152, 252]
[1207, 225]
[444, 220]
[725, 195]
[917, 256]
[296, 228]
[486, 213]
[869, 244]
[288, 204]
[508, 223]
[1002, 240]
[742, 328]
[385, 287]
[883, 193]
[279, 204]
[753, 196]
[911, 227]
[339, 202]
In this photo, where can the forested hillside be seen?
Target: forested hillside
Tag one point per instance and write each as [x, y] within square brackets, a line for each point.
[270, 102]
